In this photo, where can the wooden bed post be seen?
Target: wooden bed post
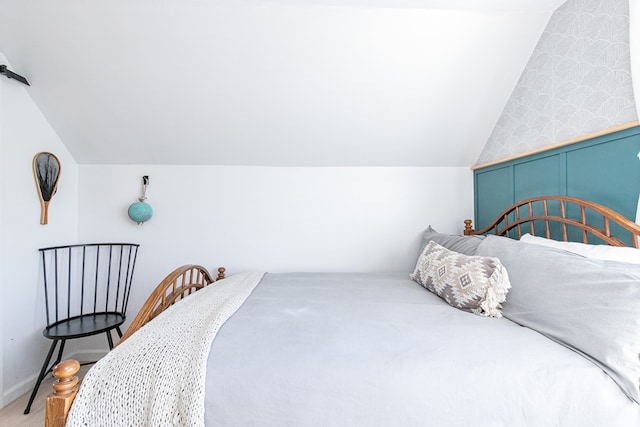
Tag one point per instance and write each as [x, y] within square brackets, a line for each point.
[468, 228]
[65, 389]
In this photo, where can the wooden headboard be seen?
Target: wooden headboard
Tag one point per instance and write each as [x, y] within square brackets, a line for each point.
[563, 218]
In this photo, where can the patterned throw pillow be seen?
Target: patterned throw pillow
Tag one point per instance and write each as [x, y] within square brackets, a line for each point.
[471, 283]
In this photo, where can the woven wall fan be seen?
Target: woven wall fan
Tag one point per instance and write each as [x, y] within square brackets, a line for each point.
[46, 171]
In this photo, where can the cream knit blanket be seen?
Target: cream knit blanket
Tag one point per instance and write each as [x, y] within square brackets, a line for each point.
[157, 377]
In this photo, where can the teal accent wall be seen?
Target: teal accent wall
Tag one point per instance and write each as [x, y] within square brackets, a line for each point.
[605, 169]
[493, 193]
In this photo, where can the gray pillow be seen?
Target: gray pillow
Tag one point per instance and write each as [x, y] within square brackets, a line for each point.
[463, 244]
[470, 283]
[591, 306]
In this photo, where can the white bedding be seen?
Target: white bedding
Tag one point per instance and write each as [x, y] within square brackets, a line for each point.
[336, 349]
[380, 350]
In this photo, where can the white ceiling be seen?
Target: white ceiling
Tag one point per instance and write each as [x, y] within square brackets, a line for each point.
[293, 83]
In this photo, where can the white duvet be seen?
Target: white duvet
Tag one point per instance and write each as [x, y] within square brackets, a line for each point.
[380, 350]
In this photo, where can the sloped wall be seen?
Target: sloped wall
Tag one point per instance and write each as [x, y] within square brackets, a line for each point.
[577, 81]
[23, 132]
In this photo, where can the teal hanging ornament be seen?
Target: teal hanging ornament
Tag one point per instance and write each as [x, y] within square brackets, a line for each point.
[141, 211]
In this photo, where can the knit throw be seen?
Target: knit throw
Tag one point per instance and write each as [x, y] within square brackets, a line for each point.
[157, 377]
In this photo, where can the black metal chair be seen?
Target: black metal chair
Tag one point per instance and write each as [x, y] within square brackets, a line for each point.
[86, 291]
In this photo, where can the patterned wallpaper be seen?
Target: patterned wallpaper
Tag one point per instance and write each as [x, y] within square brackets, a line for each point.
[577, 81]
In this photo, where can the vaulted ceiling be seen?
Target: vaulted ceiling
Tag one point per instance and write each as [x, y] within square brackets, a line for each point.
[256, 82]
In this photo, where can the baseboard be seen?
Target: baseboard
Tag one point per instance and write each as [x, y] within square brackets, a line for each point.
[26, 385]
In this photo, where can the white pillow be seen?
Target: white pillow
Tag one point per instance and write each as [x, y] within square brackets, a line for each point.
[603, 252]
[589, 305]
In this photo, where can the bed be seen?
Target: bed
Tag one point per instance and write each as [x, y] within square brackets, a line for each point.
[349, 349]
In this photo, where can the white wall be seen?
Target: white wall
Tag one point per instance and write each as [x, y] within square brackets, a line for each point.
[24, 132]
[272, 218]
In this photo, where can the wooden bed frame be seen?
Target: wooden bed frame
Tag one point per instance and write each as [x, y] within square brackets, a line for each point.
[523, 215]
[181, 282]
[526, 214]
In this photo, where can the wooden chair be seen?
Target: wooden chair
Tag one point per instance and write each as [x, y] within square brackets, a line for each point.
[86, 289]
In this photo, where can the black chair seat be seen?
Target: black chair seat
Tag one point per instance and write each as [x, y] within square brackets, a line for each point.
[83, 326]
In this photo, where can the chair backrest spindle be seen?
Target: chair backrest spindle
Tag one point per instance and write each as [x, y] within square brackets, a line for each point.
[55, 253]
[120, 272]
[106, 294]
[69, 284]
[95, 283]
[46, 287]
[84, 254]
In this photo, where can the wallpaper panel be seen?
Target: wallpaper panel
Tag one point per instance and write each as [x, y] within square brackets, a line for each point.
[577, 81]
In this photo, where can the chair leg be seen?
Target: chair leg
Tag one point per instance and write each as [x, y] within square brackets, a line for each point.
[110, 340]
[59, 358]
[119, 331]
[43, 372]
